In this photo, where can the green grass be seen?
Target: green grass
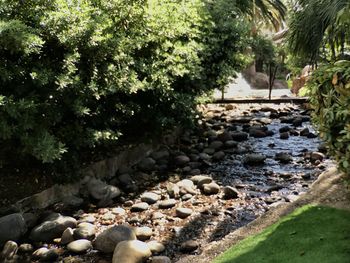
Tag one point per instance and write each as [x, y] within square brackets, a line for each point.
[311, 234]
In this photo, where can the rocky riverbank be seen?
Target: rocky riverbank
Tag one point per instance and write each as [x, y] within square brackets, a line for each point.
[238, 163]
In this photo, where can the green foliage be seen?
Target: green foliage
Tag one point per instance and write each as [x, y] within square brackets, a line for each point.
[264, 52]
[79, 74]
[330, 97]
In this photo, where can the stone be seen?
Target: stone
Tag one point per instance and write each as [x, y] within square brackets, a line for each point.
[224, 137]
[230, 144]
[52, 227]
[9, 250]
[311, 135]
[305, 132]
[157, 215]
[230, 192]
[143, 233]
[189, 246]
[173, 190]
[239, 136]
[254, 159]
[87, 218]
[181, 160]
[161, 154]
[118, 211]
[150, 198]
[216, 145]
[283, 157]
[79, 246]
[229, 107]
[199, 180]
[211, 189]
[102, 191]
[160, 259]
[67, 236]
[182, 212]
[284, 135]
[317, 156]
[284, 129]
[218, 156]
[204, 156]
[186, 187]
[155, 246]
[166, 204]
[147, 164]
[297, 122]
[46, 254]
[12, 227]
[108, 239]
[186, 197]
[25, 248]
[134, 251]
[139, 207]
[85, 231]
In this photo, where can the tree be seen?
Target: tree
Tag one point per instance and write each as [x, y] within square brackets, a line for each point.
[319, 25]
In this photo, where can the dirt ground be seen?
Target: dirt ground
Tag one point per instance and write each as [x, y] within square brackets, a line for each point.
[330, 189]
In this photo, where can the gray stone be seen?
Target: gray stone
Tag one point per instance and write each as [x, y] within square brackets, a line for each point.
[143, 233]
[230, 192]
[160, 259]
[67, 236]
[52, 227]
[85, 231]
[79, 246]
[167, 204]
[204, 156]
[183, 212]
[239, 136]
[134, 251]
[9, 250]
[162, 154]
[230, 144]
[108, 239]
[147, 165]
[149, 198]
[45, 254]
[199, 180]
[218, 156]
[209, 151]
[182, 160]
[139, 207]
[211, 189]
[118, 211]
[12, 227]
[216, 145]
[157, 215]
[186, 187]
[283, 157]
[225, 136]
[284, 135]
[186, 197]
[189, 246]
[254, 158]
[155, 246]
[305, 132]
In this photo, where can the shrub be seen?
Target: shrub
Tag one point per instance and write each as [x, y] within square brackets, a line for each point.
[330, 98]
[79, 74]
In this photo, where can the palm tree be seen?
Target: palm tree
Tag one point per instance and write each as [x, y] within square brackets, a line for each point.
[318, 24]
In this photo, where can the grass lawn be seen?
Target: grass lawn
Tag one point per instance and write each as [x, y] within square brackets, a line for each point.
[311, 234]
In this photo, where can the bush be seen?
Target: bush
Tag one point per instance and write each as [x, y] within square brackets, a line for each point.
[79, 74]
[330, 98]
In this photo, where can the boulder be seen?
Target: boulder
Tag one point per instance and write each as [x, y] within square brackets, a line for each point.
[52, 227]
[239, 136]
[9, 250]
[211, 189]
[12, 227]
[254, 159]
[85, 231]
[230, 192]
[147, 164]
[102, 191]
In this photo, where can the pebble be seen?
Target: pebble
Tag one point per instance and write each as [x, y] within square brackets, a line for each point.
[230, 192]
[167, 204]
[46, 254]
[131, 252]
[67, 236]
[210, 189]
[85, 231]
[183, 212]
[139, 207]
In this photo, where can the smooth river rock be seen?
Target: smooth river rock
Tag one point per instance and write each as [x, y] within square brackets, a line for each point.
[12, 227]
[134, 251]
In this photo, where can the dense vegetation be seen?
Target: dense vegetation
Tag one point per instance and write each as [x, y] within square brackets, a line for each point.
[79, 74]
